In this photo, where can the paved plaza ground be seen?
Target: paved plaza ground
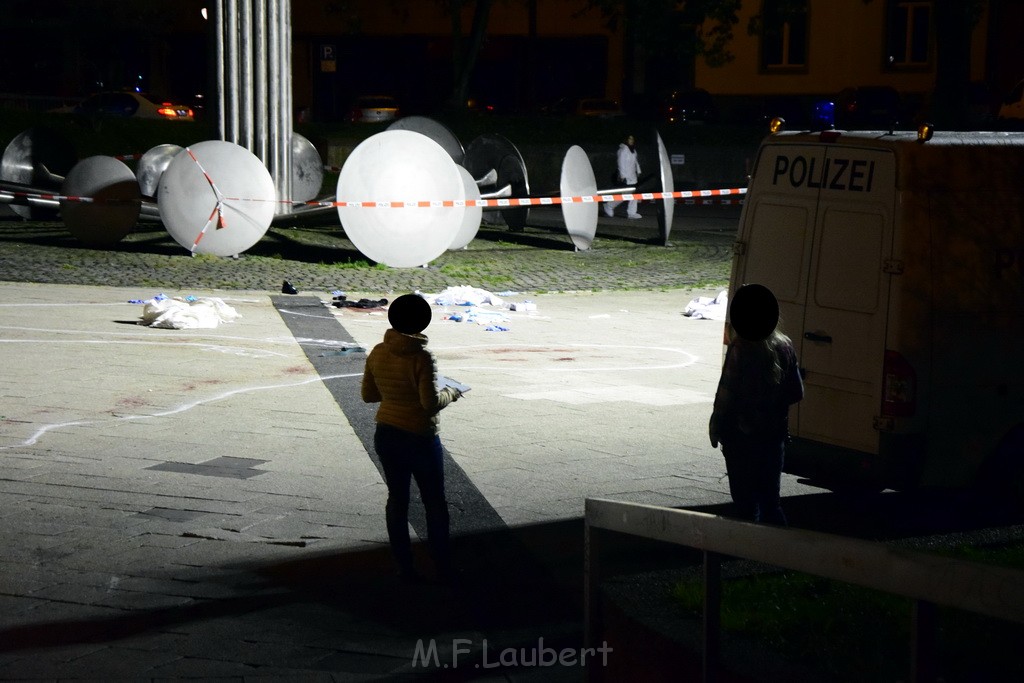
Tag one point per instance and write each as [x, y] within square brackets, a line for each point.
[206, 503]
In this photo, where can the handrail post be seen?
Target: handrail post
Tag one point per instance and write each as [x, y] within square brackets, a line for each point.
[923, 650]
[592, 594]
[712, 622]
[929, 580]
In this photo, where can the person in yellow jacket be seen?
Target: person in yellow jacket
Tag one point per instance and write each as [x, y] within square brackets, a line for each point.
[401, 375]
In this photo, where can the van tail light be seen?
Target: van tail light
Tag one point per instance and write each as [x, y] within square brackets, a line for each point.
[167, 111]
[899, 386]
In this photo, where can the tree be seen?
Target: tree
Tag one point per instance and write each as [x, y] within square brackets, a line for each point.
[670, 35]
[465, 52]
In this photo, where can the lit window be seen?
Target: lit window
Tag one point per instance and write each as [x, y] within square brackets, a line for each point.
[909, 33]
[784, 34]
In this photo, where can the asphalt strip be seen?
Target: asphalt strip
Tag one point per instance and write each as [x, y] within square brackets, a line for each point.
[470, 511]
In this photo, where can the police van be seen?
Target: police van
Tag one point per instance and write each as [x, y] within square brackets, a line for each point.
[898, 262]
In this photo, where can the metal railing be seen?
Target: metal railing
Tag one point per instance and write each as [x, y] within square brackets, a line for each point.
[928, 580]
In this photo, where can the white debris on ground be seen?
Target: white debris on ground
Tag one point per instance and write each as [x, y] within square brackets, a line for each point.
[463, 296]
[187, 314]
[480, 316]
[471, 299]
[708, 308]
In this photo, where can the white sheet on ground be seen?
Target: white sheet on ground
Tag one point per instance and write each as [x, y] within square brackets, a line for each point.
[179, 314]
[708, 308]
[463, 296]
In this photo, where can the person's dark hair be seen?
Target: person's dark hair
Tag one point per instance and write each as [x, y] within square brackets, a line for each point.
[754, 312]
[409, 314]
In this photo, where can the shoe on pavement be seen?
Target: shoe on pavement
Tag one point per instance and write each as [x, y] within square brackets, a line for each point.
[609, 211]
[634, 216]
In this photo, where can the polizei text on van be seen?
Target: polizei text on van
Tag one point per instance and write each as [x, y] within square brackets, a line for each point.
[832, 173]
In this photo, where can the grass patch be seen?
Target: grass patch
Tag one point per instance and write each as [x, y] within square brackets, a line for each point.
[814, 621]
[353, 265]
[205, 258]
[850, 633]
[1011, 556]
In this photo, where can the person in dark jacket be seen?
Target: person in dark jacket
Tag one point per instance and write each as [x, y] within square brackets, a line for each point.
[760, 380]
[401, 375]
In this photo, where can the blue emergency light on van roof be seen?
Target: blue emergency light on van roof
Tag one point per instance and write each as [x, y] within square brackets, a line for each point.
[824, 115]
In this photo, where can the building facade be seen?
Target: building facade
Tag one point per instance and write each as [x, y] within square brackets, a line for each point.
[818, 48]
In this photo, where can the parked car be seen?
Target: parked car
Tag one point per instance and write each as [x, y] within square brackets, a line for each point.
[599, 108]
[869, 107]
[129, 104]
[688, 106]
[374, 109]
[797, 111]
[481, 105]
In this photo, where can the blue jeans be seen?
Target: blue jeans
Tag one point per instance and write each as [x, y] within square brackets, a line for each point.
[405, 456]
[754, 465]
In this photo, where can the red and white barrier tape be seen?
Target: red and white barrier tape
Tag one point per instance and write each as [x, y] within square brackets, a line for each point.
[218, 209]
[55, 197]
[535, 201]
[501, 203]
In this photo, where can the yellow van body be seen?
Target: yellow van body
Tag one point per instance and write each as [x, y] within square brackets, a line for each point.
[899, 269]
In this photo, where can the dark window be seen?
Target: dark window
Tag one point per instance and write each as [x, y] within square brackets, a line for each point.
[909, 28]
[784, 35]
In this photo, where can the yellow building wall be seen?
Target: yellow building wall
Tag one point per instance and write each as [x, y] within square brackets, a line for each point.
[846, 48]
[555, 18]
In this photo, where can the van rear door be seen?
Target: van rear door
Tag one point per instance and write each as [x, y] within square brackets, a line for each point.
[777, 228]
[817, 229]
[843, 329]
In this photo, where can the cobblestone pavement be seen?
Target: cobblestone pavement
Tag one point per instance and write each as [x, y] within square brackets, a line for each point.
[316, 256]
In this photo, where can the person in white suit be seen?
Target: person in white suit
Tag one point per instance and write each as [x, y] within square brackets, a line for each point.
[628, 170]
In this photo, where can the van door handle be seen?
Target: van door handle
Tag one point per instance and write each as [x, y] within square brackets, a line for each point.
[815, 337]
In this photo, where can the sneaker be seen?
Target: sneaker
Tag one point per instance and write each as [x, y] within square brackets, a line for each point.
[633, 216]
[609, 211]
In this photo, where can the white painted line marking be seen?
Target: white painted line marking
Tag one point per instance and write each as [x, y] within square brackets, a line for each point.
[174, 411]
